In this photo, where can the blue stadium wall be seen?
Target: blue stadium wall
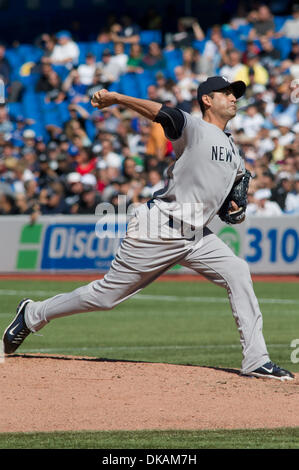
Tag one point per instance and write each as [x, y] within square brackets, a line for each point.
[24, 20]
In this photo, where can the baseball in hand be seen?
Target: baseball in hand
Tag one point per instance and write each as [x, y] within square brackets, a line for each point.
[103, 98]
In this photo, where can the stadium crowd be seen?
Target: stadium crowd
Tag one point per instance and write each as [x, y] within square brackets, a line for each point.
[58, 155]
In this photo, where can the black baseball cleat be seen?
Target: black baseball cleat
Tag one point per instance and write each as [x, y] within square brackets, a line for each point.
[272, 371]
[17, 331]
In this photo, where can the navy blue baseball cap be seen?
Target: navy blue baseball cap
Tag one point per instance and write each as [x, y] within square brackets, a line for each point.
[218, 83]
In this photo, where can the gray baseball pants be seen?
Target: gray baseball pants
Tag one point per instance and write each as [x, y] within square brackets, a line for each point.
[138, 262]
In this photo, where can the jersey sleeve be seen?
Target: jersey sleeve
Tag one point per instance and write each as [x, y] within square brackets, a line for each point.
[172, 120]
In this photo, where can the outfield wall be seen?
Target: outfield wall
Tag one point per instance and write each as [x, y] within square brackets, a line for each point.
[70, 243]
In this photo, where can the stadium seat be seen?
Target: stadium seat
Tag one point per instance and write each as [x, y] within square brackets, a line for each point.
[63, 111]
[128, 85]
[279, 21]
[233, 35]
[61, 70]
[90, 129]
[97, 48]
[114, 87]
[173, 59]
[284, 45]
[30, 106]
[148, 36]
[144, 80]
[29, 53]
[15, 109]
[14, 61]
[52, 115]
[29, 81]
[199, 45]
[83, 51]
[244, 30]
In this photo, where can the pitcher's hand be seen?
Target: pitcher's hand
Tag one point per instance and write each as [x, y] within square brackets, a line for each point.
[103, 98]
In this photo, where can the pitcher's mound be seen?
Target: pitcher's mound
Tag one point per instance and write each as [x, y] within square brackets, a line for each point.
[55, 393]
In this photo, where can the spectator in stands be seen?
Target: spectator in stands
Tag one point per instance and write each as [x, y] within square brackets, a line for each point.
[104, 35]
[250, 122]
[266, 129]
[214, 48]
[164, 88]
[102, 176]
[292, 198]
[189, 60]
[55, 93]
[203, 66]
[7, 150]
[120, 58]
[5, 68]
[73, 87]
[64, 167]
[262, 206]
[281, 189]
[181, 101]
[134, 62]
[87, 70]
[111, 158]
[75, 127]
[184, 82]
[111, 119]
[7, 205]
[294, 68]
[6, 126]
[263, 142]
[188, 30]
[251, 49]
[52, 201]
[31, 189]
[154, 59]
[29, 138]
[43, 84]
[291, 64]
[287, 136]
[294, 50]
[269, 56]
[22, 205]
[66, 51]
[89, 197]
[233, 65]
[253, 72]
[129, 168]
[63, 143]
[152, 93]
[155, 140]
[73, 189]
[126, 31]
[290, 29]
[48, 44]
[110, 70]
[264, 24]
[44, 172]
[86, 163]
[154, 181]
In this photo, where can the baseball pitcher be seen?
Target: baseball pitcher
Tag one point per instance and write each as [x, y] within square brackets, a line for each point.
[207, 178]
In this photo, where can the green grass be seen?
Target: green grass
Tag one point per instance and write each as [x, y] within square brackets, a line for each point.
[180, 323]
[175, 331]
[237, 439]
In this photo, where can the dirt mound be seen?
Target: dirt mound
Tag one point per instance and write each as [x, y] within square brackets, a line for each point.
[51, 393]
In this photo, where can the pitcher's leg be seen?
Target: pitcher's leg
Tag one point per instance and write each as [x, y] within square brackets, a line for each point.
[217, 262]
[136, 264]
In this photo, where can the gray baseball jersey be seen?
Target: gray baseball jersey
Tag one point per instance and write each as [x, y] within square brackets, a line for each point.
[207, 165]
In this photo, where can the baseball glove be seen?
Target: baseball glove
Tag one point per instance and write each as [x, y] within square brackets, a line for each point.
[238, 194]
